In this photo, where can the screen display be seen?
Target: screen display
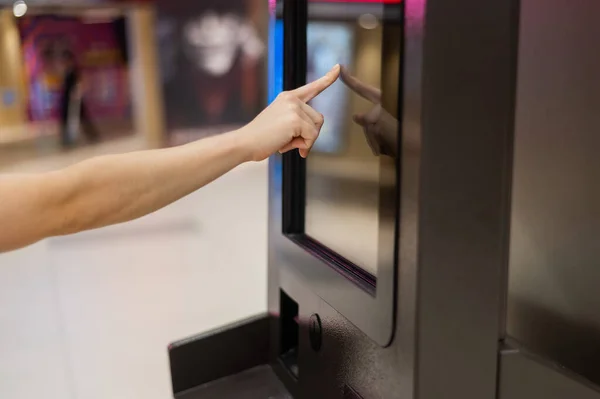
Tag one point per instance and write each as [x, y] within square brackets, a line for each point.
[327, 44]
[351, 170]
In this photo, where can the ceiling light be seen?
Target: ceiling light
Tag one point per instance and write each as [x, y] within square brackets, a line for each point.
[19, 8]
[368, 21]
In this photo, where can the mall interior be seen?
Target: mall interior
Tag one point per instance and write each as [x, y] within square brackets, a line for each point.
[91, 315]
[438, 242]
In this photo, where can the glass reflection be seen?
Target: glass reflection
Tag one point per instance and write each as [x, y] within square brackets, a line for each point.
[379, 126]
[351, 170]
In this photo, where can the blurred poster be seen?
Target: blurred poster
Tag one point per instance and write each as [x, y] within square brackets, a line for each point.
[328, 44]
[98, 52]
[212, 61]
[42, 54]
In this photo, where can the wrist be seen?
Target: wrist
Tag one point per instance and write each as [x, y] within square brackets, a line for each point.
[231, 146]
[242, 143]
[239, 142]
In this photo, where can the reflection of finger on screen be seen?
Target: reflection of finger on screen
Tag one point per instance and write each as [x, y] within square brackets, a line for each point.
[364, 90]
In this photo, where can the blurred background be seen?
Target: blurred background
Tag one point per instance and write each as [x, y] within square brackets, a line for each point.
[90, 316]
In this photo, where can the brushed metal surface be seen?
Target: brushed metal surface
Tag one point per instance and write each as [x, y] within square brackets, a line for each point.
[524, 376]
[554, 300]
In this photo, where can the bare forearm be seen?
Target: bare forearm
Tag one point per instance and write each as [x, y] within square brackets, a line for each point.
[110, 189]
[118, 188]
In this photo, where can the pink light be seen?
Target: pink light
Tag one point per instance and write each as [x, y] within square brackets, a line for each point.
[272, 6]
[358, 1]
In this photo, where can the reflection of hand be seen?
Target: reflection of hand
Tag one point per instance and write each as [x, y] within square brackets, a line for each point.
[289, 122]
[380, 128]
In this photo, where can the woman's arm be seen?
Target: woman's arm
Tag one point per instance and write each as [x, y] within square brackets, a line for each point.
[109, 189]
[118, 188]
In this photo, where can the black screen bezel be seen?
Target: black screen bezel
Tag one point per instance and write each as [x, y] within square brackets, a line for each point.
[373, 297]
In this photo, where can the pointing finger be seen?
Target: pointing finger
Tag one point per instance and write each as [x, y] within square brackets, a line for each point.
[311, 90]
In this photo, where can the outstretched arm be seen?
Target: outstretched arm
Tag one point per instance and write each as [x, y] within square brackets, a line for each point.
[109, 189]
[117, 188]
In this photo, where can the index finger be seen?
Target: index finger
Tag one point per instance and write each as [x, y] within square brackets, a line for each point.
[311, 90]
[364, 90]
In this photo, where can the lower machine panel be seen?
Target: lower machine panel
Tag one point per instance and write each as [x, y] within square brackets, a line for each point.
[257, 383]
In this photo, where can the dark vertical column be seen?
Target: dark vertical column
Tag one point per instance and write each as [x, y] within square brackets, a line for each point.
[469, 81]
[294, 64]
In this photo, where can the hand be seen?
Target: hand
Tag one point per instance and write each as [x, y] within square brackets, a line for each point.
[380, 128]
[289, 122]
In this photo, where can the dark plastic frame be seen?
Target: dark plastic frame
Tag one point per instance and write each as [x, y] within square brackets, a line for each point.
[367, 301]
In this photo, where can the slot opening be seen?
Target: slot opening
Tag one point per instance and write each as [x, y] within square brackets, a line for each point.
[290, 331]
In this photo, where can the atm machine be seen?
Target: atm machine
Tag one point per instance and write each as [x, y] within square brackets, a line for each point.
[441, 241]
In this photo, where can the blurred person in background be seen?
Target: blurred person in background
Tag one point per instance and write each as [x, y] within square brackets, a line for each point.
[209, 56]
[117, 188]
[74, 117]
[219, 48]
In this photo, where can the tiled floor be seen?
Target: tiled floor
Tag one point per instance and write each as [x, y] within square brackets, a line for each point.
[90, 316]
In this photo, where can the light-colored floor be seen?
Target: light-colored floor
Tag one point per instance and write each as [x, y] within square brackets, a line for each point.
[90, 316]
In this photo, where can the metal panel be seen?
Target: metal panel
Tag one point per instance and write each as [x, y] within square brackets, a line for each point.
[554, 301]
[219, 353]
[523, 376]
[256, 383]
[468, 108]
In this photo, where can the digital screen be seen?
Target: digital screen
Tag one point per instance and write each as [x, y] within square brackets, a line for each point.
[348, 172]
[327, 44]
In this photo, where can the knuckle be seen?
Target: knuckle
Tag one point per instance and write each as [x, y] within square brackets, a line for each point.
[284, 95]
[293, 106]
[294, 117]
[296, 120]
[320, 119]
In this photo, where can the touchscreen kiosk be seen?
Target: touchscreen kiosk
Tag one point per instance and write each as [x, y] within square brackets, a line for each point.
[349, 177]
[339, 206]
